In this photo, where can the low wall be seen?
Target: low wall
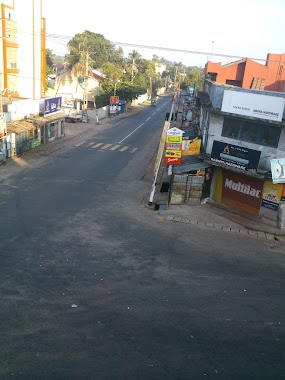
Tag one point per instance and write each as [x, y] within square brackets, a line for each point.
[140, 99]
[104, 111]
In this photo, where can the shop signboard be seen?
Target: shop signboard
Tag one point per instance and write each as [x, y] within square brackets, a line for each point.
[271, 195]
[113, 109]
[174, 139]
[191, 147]
[253, 105]
[278, 170]
[172, 160]
[174, 132]
[173, 146]
[172, 154]
[235, 156]
[241, 191]
[51, 105]
[114, 99]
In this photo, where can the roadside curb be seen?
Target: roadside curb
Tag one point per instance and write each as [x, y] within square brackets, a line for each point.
[222, 227]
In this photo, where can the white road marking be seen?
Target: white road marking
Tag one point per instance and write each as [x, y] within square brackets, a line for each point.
[131, 133]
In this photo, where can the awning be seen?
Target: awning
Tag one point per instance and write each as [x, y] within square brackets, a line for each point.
[42, 120]
[19, 126]
[189, 164]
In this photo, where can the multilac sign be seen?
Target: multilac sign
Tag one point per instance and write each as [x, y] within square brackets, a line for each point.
[173, 146]
[241, 191]
[235, 156]
[253, 105]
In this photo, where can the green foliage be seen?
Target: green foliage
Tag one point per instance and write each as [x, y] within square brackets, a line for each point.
[126, 77]
[125, 91]
[101, 50]
[140, 80]
[129, 91]
[194, 78]
[49, 58]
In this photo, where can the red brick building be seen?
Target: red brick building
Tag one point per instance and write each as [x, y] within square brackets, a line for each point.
[249, 74]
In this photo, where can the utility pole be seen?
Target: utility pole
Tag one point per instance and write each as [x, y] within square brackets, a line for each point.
[85, 99]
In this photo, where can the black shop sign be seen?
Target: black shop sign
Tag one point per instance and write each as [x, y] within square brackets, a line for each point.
[235, 156]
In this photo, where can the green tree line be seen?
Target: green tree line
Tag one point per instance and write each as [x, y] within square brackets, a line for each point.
[127, 77]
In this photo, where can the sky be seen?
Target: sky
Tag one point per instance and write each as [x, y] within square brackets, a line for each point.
[190, 31]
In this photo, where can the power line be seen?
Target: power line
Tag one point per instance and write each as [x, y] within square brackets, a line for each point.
[189, 51]
[63, 40]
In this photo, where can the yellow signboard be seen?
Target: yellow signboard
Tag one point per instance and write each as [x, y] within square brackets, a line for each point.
[174, 139]
[191, 147]
[173, 153]
[271, 195]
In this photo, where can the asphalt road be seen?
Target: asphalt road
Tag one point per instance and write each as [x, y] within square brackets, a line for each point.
[95, 285]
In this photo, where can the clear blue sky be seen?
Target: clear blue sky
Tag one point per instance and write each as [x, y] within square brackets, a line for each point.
[244, 28]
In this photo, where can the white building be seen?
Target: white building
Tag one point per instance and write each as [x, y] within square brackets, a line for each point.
[22, 49]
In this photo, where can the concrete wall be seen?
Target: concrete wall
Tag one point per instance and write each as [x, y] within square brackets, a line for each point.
[140, 99]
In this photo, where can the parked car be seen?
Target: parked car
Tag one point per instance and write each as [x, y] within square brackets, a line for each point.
[73, 117]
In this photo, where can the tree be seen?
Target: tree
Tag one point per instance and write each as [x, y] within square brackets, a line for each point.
[101, 50]
[134, 56]
[194, 78]
[129, 91]
[49, 60]
[113, 73]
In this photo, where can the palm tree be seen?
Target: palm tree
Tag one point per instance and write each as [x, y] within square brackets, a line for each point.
[134, 56]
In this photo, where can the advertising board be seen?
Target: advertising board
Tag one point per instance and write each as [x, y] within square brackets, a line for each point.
[235, 156]
[253, 105]
[278, 170]
[51, 105]
[241, 191]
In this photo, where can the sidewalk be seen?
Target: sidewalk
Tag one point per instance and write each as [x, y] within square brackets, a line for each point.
[218, 217]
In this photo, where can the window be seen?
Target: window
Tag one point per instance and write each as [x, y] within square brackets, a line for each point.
[249, 132]
[270, 136]
[12, 57]
[231, 128]
[257, 133]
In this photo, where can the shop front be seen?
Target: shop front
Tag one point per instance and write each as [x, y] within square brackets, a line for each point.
[50, 121]
[236, 180]
[50, 127]
[240, 191]
[20, 135]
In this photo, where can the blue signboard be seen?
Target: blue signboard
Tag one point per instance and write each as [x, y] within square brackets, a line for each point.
[52, 105]
[235, 156]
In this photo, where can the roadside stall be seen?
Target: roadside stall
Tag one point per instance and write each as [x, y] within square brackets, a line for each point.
[19, 136]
